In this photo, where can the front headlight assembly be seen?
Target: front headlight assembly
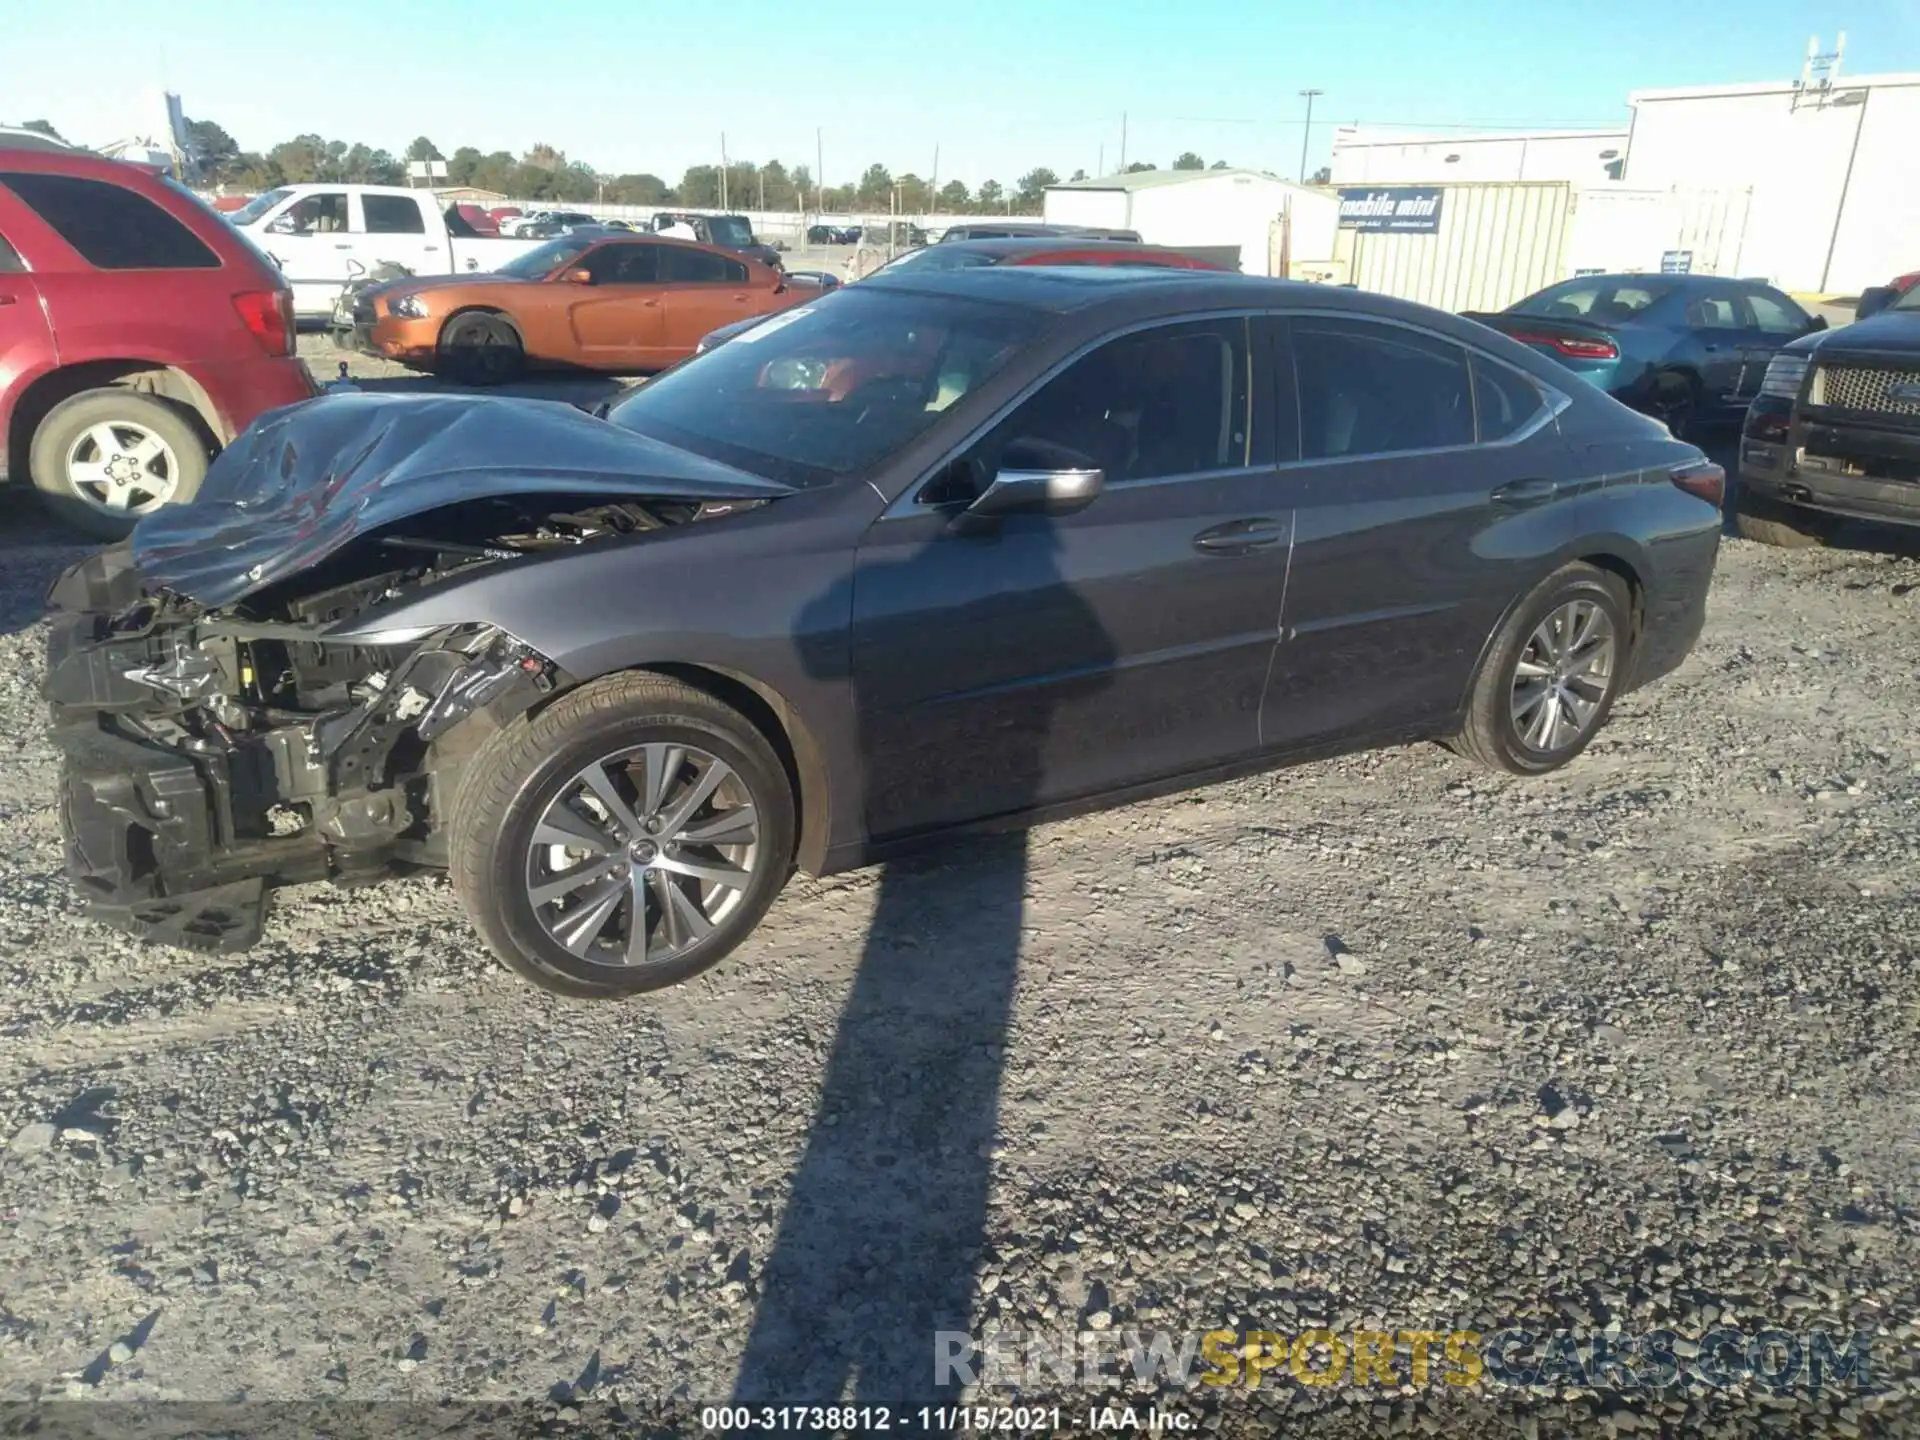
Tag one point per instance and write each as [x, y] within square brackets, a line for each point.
[408, 307]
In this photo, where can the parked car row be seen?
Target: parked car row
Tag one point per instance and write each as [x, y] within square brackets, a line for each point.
[1829, 419]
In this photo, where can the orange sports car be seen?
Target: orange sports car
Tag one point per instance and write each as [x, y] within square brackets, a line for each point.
[622, 303]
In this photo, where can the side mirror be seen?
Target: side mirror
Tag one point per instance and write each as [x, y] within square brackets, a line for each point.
[579, 277]
[1873, 300]
[283, 225]
[1037, 477]
[1819, 324]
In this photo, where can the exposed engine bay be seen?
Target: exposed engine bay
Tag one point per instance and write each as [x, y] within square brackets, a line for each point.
[215, 752]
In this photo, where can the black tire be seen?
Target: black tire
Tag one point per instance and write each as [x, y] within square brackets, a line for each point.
[480, 348]
[1782, 526]
[1491, 735]
[1676, 404]
[525, 767]
[62, 444]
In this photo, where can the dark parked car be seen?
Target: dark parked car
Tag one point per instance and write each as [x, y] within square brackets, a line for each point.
[139, 332]
[729, 232]
[1020, 541]
[1687, 349]
[1835, 431]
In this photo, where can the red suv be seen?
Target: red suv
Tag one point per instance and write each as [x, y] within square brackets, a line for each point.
[139, 332]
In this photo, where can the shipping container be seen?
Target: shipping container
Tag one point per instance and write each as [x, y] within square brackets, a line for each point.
[1494, 243]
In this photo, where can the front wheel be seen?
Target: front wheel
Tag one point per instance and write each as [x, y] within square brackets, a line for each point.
[479, 348]
[1552, 674]
[627, 838]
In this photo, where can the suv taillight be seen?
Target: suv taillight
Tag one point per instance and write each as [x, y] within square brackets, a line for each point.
[268, 314]
[1705, 479]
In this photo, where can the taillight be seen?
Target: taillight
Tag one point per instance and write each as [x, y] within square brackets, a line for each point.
[1569, 345]
[1705, 479]
[268, 315]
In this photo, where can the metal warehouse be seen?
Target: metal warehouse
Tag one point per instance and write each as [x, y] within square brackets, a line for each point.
[1363, 156]
[1249, 213]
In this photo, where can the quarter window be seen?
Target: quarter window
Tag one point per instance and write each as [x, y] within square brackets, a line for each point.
[1370, 389]
[393, 215]
[1172, 401]
[623, 264]
[110, 226]
[1504, 400]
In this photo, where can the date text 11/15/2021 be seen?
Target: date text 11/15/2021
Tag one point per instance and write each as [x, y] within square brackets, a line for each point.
[942, 1419]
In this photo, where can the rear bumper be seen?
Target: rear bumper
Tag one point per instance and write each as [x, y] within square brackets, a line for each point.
[1674, 604]
[242, 391]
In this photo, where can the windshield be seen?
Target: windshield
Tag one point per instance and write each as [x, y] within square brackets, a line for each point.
[832, 387]
[540, 263]
[731, 230]
[258, 206]
[1607, 301]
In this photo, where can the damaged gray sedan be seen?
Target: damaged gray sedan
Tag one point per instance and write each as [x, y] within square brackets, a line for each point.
[929, 552]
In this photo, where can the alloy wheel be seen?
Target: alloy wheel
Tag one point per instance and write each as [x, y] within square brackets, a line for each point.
[1564, 675]
[122, 468]
[642, 854]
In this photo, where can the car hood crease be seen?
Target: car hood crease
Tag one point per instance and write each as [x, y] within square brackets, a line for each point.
[307, 479]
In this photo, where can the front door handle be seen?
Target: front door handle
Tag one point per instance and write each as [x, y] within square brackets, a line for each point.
[1237, 536]
[6, 299]
[1525, 492]
[344, 245]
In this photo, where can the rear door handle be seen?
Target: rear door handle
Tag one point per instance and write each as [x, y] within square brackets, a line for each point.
[1237, 536]
[344, 245]
[6, 300]
[1525, 492]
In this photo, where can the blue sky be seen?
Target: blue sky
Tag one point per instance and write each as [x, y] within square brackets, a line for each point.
[998, 85]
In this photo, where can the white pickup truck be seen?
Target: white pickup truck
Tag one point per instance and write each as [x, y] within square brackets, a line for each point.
[324, 236]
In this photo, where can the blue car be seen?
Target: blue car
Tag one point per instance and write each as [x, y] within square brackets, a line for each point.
[1689, 350]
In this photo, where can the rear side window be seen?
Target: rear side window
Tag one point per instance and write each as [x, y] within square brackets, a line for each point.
[1370, 389]
[693, 267]
[1505, 400]
[9, 258]
[112, 227]
[393, 215]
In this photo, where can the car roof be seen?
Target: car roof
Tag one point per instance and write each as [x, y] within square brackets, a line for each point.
[81, 163]
[1650, 277]
[1066, 288]
[1009, 247]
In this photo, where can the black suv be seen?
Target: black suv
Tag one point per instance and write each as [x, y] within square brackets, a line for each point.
[1835, 431]
[729, 232]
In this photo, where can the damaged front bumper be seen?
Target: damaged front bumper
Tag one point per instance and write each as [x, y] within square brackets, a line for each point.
[183, 801]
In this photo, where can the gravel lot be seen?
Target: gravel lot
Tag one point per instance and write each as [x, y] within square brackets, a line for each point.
[1385, 1042]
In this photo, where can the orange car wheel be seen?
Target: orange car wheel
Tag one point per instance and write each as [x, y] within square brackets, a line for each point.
[480, 347]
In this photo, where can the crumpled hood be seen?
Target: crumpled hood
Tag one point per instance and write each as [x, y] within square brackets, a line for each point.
[307, 479]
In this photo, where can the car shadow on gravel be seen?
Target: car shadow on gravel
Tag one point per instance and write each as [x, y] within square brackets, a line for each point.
[33, 551]
[881, 1238]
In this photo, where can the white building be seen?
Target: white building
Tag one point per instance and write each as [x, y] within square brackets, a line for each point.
[1241, 210]
[1386, 156]
[1834, 170]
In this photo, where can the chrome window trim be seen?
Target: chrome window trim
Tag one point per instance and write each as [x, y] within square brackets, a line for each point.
[1558, 402]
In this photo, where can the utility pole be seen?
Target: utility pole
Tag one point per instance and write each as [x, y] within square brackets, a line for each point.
[1306, 132]
[1100, 165]
[933, 185]
[1123, 140]
[723, 169]
[819, 170]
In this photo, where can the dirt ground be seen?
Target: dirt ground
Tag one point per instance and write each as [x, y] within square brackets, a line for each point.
[1382, 1043]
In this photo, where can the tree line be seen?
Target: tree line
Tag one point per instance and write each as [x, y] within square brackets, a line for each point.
[545, 173]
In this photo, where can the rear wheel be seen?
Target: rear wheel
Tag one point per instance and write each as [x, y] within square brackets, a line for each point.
[1784, 526]
[481, 349]
[104, 458]
[1551, 678]
[627, 838]
[1676, 404]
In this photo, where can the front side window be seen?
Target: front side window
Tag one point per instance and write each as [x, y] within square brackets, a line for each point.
[1372, 389]
[833, 387]
[110, 226]
[731, 230]
[1170, 401]
[622, 264]
[393, 215]
[1714, 312]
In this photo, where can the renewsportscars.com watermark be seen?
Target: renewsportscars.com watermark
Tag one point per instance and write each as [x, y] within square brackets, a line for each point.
[1725, 1358]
